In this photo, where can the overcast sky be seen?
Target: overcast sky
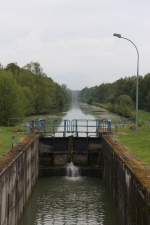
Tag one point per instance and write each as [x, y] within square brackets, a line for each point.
[72, 39]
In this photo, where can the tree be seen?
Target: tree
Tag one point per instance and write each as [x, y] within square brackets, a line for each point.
[11, 102]
[124, 106]
[23, 92]
[34, 67]
[13, 67]
[147, 101]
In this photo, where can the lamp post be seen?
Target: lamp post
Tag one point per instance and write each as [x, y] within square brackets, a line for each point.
[137, 79]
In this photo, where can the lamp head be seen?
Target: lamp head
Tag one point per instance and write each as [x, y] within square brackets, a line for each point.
[117, 35]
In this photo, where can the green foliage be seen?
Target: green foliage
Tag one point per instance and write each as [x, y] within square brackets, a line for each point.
[27, 91]
[11, 98]
[110, 92]
[123, 105]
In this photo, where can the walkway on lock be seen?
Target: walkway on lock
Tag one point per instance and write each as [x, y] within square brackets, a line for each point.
[77, 128]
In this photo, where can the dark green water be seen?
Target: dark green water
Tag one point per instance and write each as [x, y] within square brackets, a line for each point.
[61, 201]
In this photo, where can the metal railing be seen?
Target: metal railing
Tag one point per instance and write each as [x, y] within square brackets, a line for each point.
[80, 127]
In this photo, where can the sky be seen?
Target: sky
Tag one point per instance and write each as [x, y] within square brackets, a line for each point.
[72, 39]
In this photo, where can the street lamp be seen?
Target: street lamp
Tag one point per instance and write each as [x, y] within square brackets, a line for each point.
[137, 79]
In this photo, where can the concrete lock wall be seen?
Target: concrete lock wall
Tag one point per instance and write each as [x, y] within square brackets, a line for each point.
[122, 176]
[129, 192]
[17, 181]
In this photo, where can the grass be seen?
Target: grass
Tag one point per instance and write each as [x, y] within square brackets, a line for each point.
[144, 118]
[138, 143]
[8, 136]
[13, 135]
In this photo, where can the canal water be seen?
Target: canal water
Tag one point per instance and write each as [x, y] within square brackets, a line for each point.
[61, 201]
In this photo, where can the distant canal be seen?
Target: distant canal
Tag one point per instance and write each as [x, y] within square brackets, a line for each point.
[59, 201]
[84, 111]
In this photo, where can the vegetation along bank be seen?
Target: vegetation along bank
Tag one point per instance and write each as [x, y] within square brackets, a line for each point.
[28, 91]
[119, 96]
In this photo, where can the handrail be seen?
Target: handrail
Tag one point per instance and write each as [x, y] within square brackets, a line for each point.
[73, 127]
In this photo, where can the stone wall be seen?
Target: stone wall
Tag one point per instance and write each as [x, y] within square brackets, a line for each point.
[128, 182]
[17, 180]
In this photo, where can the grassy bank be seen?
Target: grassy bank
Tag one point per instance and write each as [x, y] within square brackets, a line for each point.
[138, 143]
[8, 137]
[12, 135]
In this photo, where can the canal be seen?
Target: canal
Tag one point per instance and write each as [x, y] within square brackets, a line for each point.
[62, 201]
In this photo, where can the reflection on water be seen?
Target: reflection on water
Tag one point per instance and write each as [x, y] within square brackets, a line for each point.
[59, 201]
[100, 113]
[76, 113]
[89, 112]
[82, 113]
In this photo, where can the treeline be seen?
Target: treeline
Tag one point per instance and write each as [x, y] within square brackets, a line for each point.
[28, 91]
[120, 96]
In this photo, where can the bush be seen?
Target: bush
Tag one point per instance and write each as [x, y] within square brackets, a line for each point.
[124, 106]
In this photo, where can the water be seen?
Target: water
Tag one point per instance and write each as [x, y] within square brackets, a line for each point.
[75, 200]
[83, 112]
[59, 201]
[72, 171]
[89, 112]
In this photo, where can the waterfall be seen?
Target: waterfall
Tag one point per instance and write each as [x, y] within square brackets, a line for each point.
[72, 171]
